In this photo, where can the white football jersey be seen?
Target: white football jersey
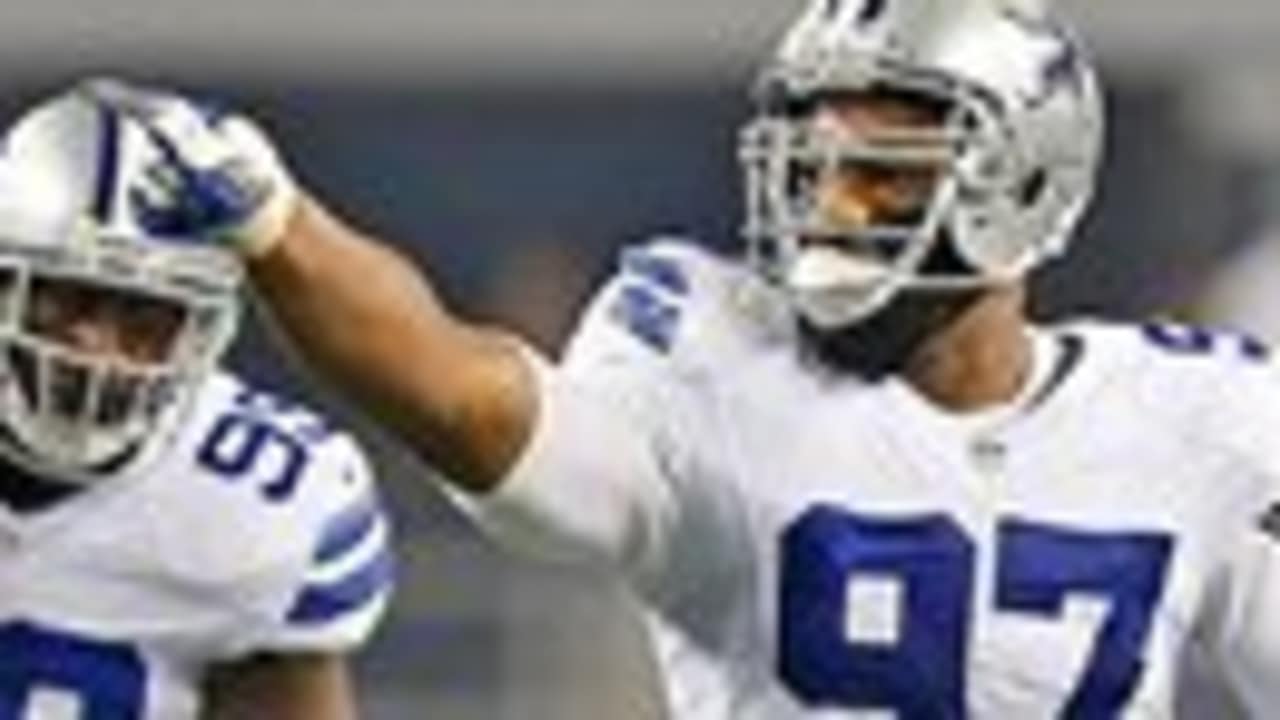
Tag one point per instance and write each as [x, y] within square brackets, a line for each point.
[812, 546]
[255, 529]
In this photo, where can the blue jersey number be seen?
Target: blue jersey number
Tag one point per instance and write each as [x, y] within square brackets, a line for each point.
[921, 672]
[933, 561]
[1191, 340]
[248, 442]
[105, 680]
[647, 303]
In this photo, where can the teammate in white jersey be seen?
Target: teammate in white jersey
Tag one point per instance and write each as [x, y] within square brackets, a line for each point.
[846, 475]
[173, 543]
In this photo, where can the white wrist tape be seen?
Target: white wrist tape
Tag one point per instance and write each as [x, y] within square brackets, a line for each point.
[262, 231]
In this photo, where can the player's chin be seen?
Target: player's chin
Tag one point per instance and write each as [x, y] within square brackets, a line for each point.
[883, 344]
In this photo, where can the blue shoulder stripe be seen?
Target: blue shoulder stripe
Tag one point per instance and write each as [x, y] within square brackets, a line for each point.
[322, 603]
[346, 529]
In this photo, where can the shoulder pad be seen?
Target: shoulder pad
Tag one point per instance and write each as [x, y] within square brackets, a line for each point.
[348, 569]
[662, 295]
[1221, 388]
[267, 445]
[1171, 349]
[652, 291]
[1189, 341]
[304, 490]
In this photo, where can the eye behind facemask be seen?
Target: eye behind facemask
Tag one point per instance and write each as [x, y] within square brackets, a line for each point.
[80, 416]
[841, 265]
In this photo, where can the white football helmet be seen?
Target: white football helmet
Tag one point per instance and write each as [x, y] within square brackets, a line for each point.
[74, 176]
[1017, 151]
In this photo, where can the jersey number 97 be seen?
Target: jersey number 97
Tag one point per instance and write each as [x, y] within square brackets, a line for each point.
[919, 669]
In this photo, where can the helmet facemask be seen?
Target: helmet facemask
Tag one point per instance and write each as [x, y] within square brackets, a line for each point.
[108, 326]
[840, 266]
[1009, 151]
[79, 413]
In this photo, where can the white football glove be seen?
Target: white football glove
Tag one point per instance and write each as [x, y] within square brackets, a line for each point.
[222, 179]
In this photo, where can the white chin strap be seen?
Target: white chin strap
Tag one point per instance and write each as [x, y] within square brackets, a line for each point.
[831, 288]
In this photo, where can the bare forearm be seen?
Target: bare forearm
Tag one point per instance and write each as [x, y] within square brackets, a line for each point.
[283, 687]
[368, 322]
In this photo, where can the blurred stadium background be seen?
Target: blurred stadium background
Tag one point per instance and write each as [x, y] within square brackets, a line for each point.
[513, 146]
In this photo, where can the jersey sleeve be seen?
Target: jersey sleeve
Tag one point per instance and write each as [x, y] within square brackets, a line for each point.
[1243, 596]
[340, 584]
[599, 480]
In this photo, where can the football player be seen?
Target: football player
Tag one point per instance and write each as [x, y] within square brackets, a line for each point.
[173, 543]
[845, 473]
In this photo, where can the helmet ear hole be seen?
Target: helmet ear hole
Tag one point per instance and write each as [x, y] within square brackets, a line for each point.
[1033, 187]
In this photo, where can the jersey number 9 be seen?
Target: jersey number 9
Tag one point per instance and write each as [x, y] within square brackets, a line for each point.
[44, 667]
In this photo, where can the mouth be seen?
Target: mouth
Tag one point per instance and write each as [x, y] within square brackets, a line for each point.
[831, 271]
[878, 244]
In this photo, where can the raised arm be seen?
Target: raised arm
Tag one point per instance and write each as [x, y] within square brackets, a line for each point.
[570, 463]
[463, 396]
